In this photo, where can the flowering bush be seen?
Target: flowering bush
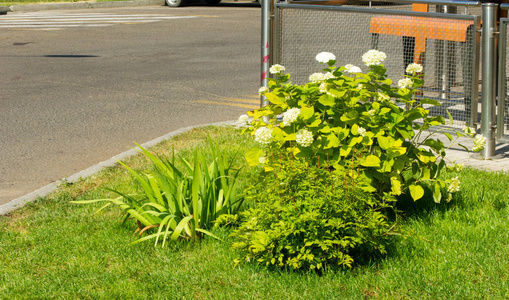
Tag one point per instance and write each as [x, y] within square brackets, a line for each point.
[355, 122]
[306, 219]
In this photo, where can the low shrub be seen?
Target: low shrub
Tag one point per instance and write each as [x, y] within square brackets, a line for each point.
[310, 217]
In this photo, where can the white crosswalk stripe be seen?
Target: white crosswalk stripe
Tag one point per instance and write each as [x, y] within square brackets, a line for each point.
[56, 21]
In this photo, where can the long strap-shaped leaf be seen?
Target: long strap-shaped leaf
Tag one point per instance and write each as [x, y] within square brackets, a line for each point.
[195, 195]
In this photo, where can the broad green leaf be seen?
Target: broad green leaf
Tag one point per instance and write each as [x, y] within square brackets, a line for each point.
[430, 101]
[371, 161]
[326, 100]
[384, 142]
[274, 99]
[416, 191]
[332, 141]
[426, 156]
[253, 156]
[306, 112]
[336, 93]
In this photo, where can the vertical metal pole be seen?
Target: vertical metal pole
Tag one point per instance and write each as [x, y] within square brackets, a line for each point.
[265, 48]
[489, 67]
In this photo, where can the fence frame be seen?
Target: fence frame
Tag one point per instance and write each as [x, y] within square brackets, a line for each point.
[492, 123]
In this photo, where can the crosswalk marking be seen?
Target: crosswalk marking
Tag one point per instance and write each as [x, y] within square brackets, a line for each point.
[55, 21]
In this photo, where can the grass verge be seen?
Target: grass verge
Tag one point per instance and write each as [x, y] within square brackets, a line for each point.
[54, 249]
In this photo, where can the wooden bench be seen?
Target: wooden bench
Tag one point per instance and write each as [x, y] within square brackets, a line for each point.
[416, 30]
[421, 28]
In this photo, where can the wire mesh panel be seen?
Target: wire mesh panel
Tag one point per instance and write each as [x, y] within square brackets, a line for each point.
[446, 44]
[503, 82]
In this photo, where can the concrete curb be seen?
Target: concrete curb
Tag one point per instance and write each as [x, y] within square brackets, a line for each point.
[82, 5]
[46, 190]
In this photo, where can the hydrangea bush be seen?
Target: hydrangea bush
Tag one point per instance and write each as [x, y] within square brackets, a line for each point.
[355, 122]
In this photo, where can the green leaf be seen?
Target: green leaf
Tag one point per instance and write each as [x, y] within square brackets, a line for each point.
[371, 161]
[437, 194]
[451, 120]
[430, 101]
[326, 100]
[253, 156]
[274, 99]
[416, 191]
[332, 141]
[307, 112]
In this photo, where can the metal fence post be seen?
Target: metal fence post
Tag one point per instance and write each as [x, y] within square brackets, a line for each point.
[489, 36]
[266, 4]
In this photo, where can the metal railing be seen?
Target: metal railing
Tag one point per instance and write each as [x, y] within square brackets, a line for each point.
[296, 32]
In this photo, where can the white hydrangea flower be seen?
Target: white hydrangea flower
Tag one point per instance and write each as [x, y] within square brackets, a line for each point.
[405, 83]
[469, 131]
[316, 77]
[353, 69]
[276, 69]
[263, 135]
[479, 143]
[454, 185]
[361, 131]
[328, 75]
[243, 120]
[373, 58]
[263, 90]
[414, 68]
[290, 116]
[304, 138]
[262, 159]
[360, 86]
[325, 57]
[383, 97]
[371, 112]
[323, 88]
[320, 77]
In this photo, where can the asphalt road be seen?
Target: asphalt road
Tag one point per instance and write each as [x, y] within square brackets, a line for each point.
[73, 96]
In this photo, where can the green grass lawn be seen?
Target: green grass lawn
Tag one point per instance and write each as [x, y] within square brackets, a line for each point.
[54, 249]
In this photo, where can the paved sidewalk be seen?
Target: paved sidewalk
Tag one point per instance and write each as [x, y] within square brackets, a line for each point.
[457, 154]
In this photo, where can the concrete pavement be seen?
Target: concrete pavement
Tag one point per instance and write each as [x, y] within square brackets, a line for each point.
[79, 5]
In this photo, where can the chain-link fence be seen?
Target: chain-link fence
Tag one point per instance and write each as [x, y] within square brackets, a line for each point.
[503, 96]
[447, 44]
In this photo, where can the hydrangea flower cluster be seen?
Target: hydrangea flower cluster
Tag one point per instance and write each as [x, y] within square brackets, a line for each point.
[263, 135]
[352, 69]
[325, 57]
[361, 131]
[479, 143]
[383, 97]
[469, 131]
[414, 68]
[290, 116]
[304, 138]
[454, 185]
[263, 90]
[405, 83]
[243, 119]
[373, 58]
[276, 69]
[320, 77]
